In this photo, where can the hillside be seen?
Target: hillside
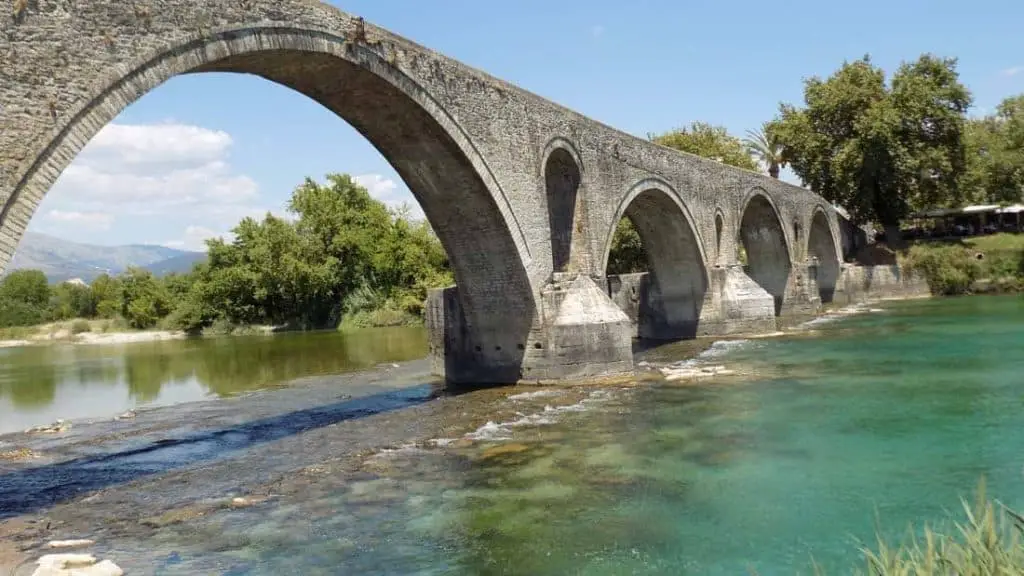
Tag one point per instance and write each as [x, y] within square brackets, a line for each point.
[62, 259]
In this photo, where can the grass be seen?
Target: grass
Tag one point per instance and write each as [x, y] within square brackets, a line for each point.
[986, 542]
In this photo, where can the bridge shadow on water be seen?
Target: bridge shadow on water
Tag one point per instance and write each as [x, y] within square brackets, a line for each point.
[33, 489]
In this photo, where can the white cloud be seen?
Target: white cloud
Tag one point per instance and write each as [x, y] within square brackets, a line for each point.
[390, 192]
[151, 175]
[1012, 71]
[92, 220]
[597, 30]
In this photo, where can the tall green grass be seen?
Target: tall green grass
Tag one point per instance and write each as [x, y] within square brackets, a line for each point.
[987, 541]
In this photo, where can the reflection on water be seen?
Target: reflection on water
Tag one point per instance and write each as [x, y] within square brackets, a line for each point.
[40, 384]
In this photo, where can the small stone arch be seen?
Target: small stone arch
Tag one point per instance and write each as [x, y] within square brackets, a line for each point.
[719, 231]
[764, 239]
[563, 177]
[822, 249]
[678, 275]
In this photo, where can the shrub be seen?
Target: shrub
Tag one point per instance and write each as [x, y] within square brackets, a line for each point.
[949, 270]
[80, 327]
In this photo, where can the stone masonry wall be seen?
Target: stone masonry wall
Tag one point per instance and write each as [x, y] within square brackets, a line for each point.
[472, 148]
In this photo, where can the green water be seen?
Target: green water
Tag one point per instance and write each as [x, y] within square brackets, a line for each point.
[888, 417]
[40, 384]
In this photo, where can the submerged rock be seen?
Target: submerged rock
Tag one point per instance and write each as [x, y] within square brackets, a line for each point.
[18, 454]
[503, 450]
[78, 543]
[58, 426]
[75, 565]
[694, 373]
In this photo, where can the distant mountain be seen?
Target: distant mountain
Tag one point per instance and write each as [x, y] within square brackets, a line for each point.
[177, 264]
[62, 259]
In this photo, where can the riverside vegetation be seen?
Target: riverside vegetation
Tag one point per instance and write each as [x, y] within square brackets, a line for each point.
[343, 260]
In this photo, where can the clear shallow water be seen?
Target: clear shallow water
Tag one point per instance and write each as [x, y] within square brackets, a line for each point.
[888, 417]
[40, 384]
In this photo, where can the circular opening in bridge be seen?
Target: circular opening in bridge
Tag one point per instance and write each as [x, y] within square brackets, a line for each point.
[822, 247]
[562, 179]
[764, 245]
[656, 269]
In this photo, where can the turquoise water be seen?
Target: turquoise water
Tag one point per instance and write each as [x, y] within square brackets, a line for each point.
[885, 418]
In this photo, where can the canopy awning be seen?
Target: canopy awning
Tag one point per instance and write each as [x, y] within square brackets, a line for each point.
[980, 208]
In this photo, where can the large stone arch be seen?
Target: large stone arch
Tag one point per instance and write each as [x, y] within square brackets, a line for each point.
[424, 144]
[822, 248]
[678, 275]
[763, 236]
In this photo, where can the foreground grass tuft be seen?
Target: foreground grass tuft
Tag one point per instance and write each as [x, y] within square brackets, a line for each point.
[986, 542]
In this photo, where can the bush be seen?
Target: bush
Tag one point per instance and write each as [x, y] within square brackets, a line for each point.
[80, 327]
[949, 270]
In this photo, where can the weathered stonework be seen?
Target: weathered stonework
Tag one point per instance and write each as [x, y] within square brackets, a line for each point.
[518, 188]
[865, 283]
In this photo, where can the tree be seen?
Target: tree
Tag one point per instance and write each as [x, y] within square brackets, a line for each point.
[764, 146]
[708, 141]
[107, 293]
[879, 150]
[343, 252]
[144, 298]
[71, 300]
[24, 298]
[995, 155]
[627, 255]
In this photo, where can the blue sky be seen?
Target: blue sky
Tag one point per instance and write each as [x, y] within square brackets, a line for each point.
[192, 157]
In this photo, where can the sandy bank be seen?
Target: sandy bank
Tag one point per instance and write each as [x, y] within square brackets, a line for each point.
[51, 334]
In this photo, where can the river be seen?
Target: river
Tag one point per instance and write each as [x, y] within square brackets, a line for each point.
[39, 384]
[883, 418]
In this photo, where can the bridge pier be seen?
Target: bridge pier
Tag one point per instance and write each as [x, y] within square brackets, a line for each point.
[579, 334]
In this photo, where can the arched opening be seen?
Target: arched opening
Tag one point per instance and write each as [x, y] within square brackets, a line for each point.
[821, 246]
[656, 269]
[562, 179]
[719, 226]
[423, 144]
[764, 242]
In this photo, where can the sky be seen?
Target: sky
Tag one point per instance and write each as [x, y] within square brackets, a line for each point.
[188, 160]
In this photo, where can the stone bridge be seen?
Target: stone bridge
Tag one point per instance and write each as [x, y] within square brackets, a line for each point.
[523, 193]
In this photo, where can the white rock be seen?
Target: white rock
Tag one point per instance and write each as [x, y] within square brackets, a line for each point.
[70, 543]
[105, 568]
[66, 561]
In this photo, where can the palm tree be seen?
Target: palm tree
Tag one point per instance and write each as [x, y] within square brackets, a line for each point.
[766, 148]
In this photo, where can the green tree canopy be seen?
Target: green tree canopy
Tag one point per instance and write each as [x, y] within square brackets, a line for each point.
[879, 150]
[708, 141]
[995, 155]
